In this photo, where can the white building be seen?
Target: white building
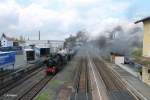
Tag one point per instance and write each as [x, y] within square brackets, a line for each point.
[7, 41]
[117, 58]
[55, 45]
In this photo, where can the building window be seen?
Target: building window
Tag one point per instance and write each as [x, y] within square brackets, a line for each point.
[148, 74]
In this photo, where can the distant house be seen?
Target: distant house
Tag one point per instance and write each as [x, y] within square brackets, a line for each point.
[8, 42]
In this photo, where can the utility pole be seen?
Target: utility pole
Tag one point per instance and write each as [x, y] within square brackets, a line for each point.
[39, 35]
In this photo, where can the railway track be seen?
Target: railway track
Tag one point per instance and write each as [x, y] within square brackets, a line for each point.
[81, 83]
[27, 86]
[5, 73]
[116, 89]
[31, 67]
[5, 91]
[32, 92]
[17, 78]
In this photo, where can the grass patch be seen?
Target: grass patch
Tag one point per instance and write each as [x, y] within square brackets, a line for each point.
[56, 83]
[137, 53]
[45, 96]
[51, 90]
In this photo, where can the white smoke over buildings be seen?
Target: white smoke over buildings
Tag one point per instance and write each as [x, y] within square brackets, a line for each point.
[121, 39]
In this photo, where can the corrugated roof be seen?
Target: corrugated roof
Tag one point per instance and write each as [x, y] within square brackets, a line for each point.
[142, 20]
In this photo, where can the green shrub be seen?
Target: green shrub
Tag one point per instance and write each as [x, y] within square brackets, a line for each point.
[137, 53]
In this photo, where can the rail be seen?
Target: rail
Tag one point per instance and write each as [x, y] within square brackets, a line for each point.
[32, 92]
[115, 87]
[81, 83]
[18, 81]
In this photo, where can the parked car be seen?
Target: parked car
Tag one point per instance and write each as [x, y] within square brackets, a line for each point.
[129, 61]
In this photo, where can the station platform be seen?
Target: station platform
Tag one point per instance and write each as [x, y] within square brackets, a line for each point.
[135, 85]
[128, 69]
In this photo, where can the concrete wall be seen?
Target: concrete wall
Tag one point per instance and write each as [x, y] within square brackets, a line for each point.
[145, 75]
[146, 39]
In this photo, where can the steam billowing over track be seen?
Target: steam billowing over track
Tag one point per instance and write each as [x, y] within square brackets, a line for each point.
[81, 82]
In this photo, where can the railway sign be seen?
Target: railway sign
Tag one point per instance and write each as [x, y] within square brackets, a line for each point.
[7, 58]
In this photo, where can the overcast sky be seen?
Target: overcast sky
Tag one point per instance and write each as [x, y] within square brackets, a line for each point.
[57, 19]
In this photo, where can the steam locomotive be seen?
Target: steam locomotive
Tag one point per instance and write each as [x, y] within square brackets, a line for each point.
[55, 64]
[56, 61]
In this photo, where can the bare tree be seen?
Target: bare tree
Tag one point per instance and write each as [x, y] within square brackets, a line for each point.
[81, 36]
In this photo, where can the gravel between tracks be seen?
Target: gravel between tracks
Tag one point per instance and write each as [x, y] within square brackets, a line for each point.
[115, 87]
[14, 93]
[81, 82]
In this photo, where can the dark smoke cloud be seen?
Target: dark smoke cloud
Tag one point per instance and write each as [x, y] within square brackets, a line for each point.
[120, 40]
